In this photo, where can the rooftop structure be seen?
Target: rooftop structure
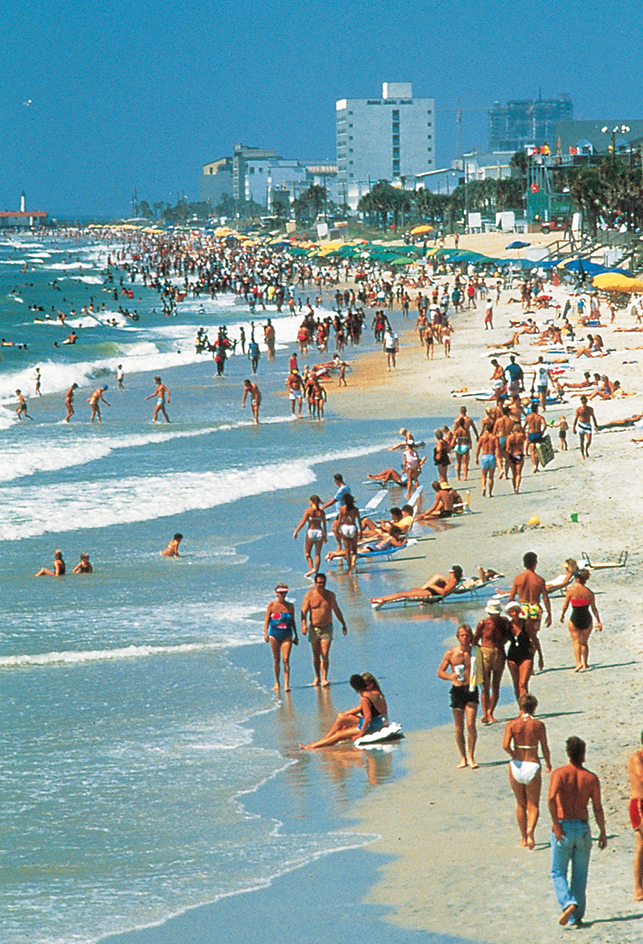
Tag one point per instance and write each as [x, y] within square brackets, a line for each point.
[387, 138]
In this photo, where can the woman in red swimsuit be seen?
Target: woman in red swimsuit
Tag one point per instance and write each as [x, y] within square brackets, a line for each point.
[580, 621]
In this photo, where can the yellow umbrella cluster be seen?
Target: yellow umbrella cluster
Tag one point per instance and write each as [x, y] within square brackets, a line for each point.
[614, 282]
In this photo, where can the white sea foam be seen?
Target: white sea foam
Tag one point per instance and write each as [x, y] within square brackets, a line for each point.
[18, 460]
[99, 655]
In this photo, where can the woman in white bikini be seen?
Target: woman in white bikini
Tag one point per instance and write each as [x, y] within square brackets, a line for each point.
[315, 520]
[350, 527]
[522, 738]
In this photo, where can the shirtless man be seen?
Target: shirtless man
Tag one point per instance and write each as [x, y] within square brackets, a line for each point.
[486, 451]
[445, 499]
[69, 401]
[120, 376]
[570, 790]
[250, 387]
[635, 773]
[468, 423]
[94, 402]
[21, 409]
[295, 388]
[491, 634]
[319, 604]
[160, 393]
[501, 428]
[172, 550]
[528, 588]
[535, 426]
[583, 419]
[456, 668]
[437, 585]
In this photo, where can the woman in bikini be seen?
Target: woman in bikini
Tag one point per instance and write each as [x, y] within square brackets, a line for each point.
[369, 716]
[580, 623]
[523, 736]
[350, 526]
[280, 630]
[516, 448]
[314, 518]
[462, 448]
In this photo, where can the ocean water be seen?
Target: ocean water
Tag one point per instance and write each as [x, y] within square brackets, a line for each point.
[126, 722]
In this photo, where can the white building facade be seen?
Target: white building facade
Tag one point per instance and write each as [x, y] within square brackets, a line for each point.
[388, 138]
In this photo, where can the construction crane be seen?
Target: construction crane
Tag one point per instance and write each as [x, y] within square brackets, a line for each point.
[458, 112]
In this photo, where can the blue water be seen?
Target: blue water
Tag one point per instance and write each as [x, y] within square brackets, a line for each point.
[126, 722]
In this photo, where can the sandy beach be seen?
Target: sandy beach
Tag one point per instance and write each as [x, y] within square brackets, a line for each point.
[460, 845]
[447, 866]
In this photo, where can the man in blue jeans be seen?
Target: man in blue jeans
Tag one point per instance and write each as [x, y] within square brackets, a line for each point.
[570, 790]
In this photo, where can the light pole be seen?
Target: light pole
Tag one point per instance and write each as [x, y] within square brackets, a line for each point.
[623, 129]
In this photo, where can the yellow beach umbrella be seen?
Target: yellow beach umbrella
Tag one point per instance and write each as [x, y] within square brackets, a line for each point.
[421, 230]
[614, 282]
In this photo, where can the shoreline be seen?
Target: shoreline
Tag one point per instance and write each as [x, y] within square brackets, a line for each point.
[421, 388]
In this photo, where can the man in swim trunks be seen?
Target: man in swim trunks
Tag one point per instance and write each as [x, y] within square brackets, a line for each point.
[456, 668]
[160, 393]
[486, 457]
[528, 588]
[442, 507]
[338, 500]
[535, 426]
[319, 604]
[583, 419]
[491, 634]
[21, 409]
[295, 388]
[635, 773]
[570, 790]
[250, 387]
[94, 402]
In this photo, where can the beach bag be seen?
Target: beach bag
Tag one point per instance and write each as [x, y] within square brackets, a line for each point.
[545, 450]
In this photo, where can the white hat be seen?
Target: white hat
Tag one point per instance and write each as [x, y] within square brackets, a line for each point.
[492, 607]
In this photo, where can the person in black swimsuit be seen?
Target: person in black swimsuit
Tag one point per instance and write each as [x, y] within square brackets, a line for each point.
[580, 623]
[520, 651]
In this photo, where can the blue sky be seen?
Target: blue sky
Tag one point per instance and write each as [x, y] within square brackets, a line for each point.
[141, 94]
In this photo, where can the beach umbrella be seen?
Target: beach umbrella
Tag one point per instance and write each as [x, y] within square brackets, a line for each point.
[614, 282]
[421, 230]
[518, 244]
[402, 260]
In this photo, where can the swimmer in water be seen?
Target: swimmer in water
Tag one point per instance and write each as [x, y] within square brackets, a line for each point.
[83, 566]
[59, 567]
[69, 401]
[172, 550]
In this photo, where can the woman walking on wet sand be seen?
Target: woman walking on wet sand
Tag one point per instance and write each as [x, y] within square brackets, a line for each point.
[314, 518]
[580, 621]
[280, 630]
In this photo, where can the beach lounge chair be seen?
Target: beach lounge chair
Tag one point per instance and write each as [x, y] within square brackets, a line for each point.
[621, 561]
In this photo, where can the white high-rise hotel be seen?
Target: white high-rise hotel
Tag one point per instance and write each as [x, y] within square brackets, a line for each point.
[388, 138]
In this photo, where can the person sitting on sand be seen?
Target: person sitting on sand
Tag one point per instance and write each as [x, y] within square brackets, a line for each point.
[456, 667]
[369, 716]
[437, 585]
[172, 550]
[83, 566]
[446, 498]
[523, 736]
[59, 567]
[388, 475]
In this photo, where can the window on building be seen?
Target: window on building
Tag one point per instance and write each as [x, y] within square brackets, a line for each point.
[396, 152]
[251, 170]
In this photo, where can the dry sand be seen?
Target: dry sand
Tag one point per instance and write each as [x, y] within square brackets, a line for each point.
[457, 867]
